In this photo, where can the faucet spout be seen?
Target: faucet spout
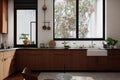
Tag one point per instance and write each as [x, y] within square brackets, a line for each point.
[92, 44]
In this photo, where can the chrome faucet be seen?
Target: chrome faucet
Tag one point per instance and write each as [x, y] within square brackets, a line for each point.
[92, 45]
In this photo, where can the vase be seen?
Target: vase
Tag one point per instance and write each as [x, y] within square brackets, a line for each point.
[26, 42]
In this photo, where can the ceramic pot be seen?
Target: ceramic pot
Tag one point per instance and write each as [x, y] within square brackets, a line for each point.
[44, 7]
[44, 27]
[26, 42]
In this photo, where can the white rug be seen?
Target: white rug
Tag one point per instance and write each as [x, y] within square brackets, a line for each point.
[79, 76]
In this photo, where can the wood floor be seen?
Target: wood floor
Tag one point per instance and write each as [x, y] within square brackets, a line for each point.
[15, 77]
[18, 76]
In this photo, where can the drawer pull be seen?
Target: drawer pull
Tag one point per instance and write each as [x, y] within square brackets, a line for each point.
[5, 59]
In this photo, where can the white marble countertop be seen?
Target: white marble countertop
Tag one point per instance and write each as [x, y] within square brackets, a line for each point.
[8, 49]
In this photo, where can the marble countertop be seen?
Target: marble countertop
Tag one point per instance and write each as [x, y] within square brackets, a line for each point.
[71, 48]
[8, 49]
[51, 48]
[57, 48]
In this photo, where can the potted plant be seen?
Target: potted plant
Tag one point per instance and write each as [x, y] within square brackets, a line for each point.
[24, 36]
[111, 42]
[66, 45]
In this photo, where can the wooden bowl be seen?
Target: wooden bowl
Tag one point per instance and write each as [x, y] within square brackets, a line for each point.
[52, 44]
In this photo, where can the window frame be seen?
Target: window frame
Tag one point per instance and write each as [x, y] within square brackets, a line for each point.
[77, 23]
[15, 28]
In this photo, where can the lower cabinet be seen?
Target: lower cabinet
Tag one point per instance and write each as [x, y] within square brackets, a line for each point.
[114, 59]
[67, 59]
[97, 63]
[34, 59]
[42, 60]
[1, 65]
[75, 60]
[7, 63]
[59, 59]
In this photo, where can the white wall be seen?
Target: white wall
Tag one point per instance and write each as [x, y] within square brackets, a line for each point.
[112, 22]
[10, 36]
[113, 19]
[44, 36]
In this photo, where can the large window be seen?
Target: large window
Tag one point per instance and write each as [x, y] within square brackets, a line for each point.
[25, 23]
[79, 19]
[25, 19]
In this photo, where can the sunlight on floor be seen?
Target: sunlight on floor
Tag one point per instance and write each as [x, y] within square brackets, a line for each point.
[79, 76]
[82, 78]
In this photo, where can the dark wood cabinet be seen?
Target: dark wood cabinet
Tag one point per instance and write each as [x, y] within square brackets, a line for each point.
[97, 63]
[92, 62]
[34, 59]
[102, 63]
[3, 16]
[75, 60]
[42, 60]
[67, 59]
[51, 59]
[114, 59]
[58, 59]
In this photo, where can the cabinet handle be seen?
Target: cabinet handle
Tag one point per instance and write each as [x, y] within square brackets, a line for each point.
[5, 59]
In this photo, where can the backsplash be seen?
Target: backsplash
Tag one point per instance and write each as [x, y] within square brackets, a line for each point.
[97, 44]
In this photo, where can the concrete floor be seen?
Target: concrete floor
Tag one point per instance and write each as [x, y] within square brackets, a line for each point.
[80, 76]
[71, 76]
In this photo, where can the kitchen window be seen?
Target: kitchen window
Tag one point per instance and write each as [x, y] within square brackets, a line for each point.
[25, 23]
[79, 20]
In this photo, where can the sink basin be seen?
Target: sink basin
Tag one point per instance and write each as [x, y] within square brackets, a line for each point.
[96, 52]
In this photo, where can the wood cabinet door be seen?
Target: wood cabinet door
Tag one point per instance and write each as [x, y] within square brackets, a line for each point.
[102, 63]
[1, 66]
[34, 59]
[42, 60]
[114, 59]
[25, 60]
[7, 66]
[97, 62]
[75, 60]
[92, 62]
[9, 62]
[58, 57]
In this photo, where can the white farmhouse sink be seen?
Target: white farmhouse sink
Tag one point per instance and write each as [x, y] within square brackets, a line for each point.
[96, 52]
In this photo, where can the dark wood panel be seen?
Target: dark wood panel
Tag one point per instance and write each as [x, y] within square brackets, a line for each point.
[58, 60]
[62, 59]
[51, 59]
[75, 60]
